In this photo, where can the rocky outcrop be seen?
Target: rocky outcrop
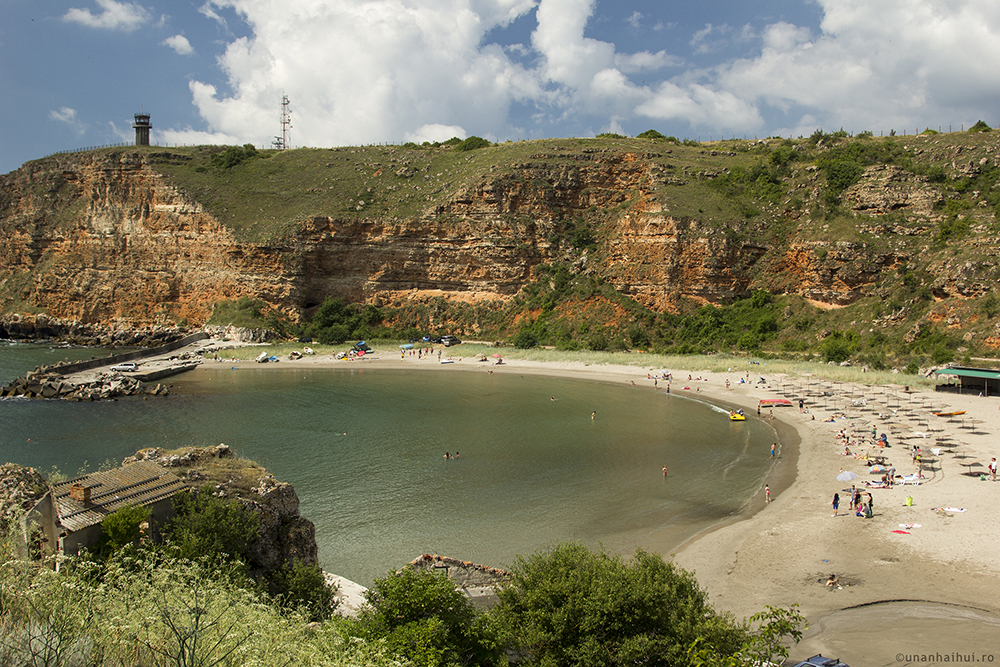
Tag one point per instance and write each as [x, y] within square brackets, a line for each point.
[34, 326]
[283, 534]
[20, 488]
[886, 188]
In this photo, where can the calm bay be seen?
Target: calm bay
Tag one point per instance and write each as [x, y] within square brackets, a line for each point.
[364, 448]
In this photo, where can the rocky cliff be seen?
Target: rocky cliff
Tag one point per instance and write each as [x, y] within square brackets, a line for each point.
[157, 237]
[283, 535]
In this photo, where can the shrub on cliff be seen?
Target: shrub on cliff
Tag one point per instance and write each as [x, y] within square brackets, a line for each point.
[423, 617]
[208, 526]
[572, 606]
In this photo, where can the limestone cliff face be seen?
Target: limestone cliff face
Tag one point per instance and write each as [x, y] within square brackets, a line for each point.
[106, 238]
[99, 240]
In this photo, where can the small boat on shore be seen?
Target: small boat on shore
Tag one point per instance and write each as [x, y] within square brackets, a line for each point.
[950, 414]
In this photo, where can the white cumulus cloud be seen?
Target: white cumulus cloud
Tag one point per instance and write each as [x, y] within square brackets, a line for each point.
[180, 44]
[368, 71]
[125, 16]
[67, 115]
[894, 63]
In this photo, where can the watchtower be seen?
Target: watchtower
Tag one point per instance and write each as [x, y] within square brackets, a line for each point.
[142, 128]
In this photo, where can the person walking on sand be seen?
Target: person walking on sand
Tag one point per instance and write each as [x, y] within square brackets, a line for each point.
[992, 467]
[836, 503]
[767, 494]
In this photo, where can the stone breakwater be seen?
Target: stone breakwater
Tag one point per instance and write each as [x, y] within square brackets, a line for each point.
[48, 382]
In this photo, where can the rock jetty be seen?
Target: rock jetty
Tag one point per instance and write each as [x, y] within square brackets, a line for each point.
[48, 382]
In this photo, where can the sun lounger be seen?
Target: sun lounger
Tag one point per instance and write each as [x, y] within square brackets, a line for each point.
[911, 479]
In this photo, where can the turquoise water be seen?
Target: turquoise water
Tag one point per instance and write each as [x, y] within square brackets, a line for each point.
[364, 448]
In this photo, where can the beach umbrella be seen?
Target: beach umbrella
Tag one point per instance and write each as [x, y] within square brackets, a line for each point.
[970, 466]
[877, 468]
[847, 476]
[497, 355]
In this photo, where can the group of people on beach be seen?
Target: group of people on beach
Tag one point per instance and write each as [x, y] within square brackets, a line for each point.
[858, 503]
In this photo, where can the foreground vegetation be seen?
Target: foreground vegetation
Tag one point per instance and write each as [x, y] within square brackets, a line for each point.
[567, 606]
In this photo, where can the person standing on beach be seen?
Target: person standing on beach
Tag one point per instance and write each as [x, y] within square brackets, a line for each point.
[836, 503]
[664, 471]
[767, 494]
[992, 467]
[772, 449]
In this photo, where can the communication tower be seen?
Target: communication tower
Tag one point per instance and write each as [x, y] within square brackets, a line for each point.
[142, 128]
[281, 143]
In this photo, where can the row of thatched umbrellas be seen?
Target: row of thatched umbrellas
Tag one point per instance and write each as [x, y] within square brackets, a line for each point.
[885, 403]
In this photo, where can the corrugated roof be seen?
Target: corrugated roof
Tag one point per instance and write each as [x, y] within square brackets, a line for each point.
[969, 372]
[140, 483]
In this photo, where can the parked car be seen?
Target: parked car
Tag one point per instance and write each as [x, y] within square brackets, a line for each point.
[448, 341]
[125, 367]
[820, 661]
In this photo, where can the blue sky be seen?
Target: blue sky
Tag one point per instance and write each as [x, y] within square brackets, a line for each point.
[73, 72]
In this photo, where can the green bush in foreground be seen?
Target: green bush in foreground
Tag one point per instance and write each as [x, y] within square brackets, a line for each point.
[422, 617]
[572, 606]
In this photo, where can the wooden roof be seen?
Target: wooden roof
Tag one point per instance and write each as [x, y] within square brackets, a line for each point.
[140, 483]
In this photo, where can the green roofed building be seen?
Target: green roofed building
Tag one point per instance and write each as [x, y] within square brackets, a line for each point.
[985, 381]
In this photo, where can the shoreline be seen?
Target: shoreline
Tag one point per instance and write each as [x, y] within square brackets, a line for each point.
[910, 593]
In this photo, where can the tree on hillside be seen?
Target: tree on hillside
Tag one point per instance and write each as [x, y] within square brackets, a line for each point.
[572, 606]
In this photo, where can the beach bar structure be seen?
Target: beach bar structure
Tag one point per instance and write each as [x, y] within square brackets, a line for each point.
[67, 519]
[985, 381]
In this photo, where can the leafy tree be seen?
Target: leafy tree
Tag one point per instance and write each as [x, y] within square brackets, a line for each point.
[423, 617]
[838, 346]
[472, 143]
[571, 606]
[121, 528]
[208, 526]
[336, 321]
[650, 134]
[597, 342]
[524, 339]
[233, 156]
[304, 588]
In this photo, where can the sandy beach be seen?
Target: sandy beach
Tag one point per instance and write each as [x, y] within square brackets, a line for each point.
[917, 583]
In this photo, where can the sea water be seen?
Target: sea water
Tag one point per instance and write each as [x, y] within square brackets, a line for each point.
[364, 448]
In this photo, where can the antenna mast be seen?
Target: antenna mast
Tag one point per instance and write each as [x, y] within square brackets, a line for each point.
[281, 143]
